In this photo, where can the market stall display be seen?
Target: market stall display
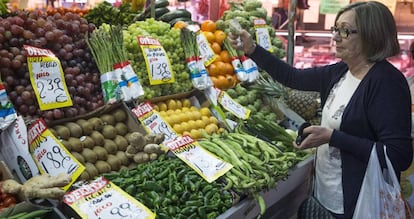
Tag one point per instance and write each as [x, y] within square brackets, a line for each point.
[112, 139]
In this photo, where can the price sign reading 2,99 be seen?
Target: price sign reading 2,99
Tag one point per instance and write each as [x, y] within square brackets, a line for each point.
[158, 65]
[46, 76]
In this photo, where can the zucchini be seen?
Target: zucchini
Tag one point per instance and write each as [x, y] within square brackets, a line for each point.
[161, 3]
[167, 17]
[160, 12]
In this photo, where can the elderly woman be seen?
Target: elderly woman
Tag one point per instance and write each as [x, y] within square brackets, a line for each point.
[365, 100]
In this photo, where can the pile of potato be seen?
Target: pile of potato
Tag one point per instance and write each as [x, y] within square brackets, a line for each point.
[100, 143]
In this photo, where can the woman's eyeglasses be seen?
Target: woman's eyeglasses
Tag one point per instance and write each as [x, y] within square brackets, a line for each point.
[343, 32]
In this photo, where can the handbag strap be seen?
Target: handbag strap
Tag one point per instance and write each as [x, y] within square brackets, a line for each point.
[313, 174]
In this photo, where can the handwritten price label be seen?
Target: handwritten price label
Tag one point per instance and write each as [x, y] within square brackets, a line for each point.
[153, 122]
[103, 199]
[232, 106]
[46, 76]
[206, 164]
[50, 155]
[158, 65]
[206, 52]
[262, 34]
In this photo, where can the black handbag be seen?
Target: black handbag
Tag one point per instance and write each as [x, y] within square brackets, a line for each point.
[311, 208]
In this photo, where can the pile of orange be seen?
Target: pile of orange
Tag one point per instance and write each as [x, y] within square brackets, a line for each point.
[221, 71]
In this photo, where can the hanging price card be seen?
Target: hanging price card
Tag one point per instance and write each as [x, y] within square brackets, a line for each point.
[206, 164]
[158, 65]
[206, 52]
[103, 199]
[46, 76]
[50, 155]
[232, 106]
[153, 121]
[262, 34]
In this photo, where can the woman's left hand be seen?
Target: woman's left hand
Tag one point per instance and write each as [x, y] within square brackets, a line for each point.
[317, 136]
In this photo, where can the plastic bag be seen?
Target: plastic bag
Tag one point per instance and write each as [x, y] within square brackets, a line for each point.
[7, 112]
[380, 195]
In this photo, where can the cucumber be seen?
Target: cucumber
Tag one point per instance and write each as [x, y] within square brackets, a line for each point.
[167, 17]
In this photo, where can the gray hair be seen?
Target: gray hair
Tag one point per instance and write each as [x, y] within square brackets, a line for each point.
[376, 26]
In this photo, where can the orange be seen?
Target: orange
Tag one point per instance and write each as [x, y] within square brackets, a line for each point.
[208, 25]
[220, 36]
[216, 47]
[218, 58]
[180, 24]
[231, 81]
[225, 56]
[221, 82]
[213, 70]
[228, 68]
[214, 79]
[209, 36]
[221, 67]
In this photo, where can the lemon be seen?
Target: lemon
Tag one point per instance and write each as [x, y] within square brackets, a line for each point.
[211, 128]
[177, 128]
[162, 106]
[192, 124]
[171, 104]
[178, 111]
[179, 104]
[170, 112]
[175, 119]
[186, 133]
[183, 117]
[195, 134]
[185, 109]
[185, 126]
[213, 120]
[155, 107]
[200, 124]
[205, 111]
[206, 120]
[193, 108]
[163, 114]
[196, 115]
[186, 102]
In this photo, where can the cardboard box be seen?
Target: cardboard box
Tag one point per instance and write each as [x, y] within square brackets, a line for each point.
[14, 148]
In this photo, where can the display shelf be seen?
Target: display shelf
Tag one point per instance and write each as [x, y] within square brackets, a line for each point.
[282, 201]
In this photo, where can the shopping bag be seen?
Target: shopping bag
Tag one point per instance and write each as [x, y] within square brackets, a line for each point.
[380, 195]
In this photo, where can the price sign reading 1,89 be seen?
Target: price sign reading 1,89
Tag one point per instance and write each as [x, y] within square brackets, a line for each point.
[50, 155]
[157, 62]
[46, 76]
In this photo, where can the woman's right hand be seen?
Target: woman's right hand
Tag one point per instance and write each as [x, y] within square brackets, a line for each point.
[243, 41]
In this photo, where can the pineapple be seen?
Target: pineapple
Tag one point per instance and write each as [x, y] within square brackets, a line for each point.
[304, 103]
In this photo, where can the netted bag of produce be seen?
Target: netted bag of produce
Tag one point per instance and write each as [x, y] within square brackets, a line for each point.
[169, 39]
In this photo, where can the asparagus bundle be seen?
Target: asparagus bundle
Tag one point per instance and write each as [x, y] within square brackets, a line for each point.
[198, 72]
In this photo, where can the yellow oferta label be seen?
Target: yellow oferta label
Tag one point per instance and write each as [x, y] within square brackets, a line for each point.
[50, 155]
[103, 199]
[46, 77]
[158, 64]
